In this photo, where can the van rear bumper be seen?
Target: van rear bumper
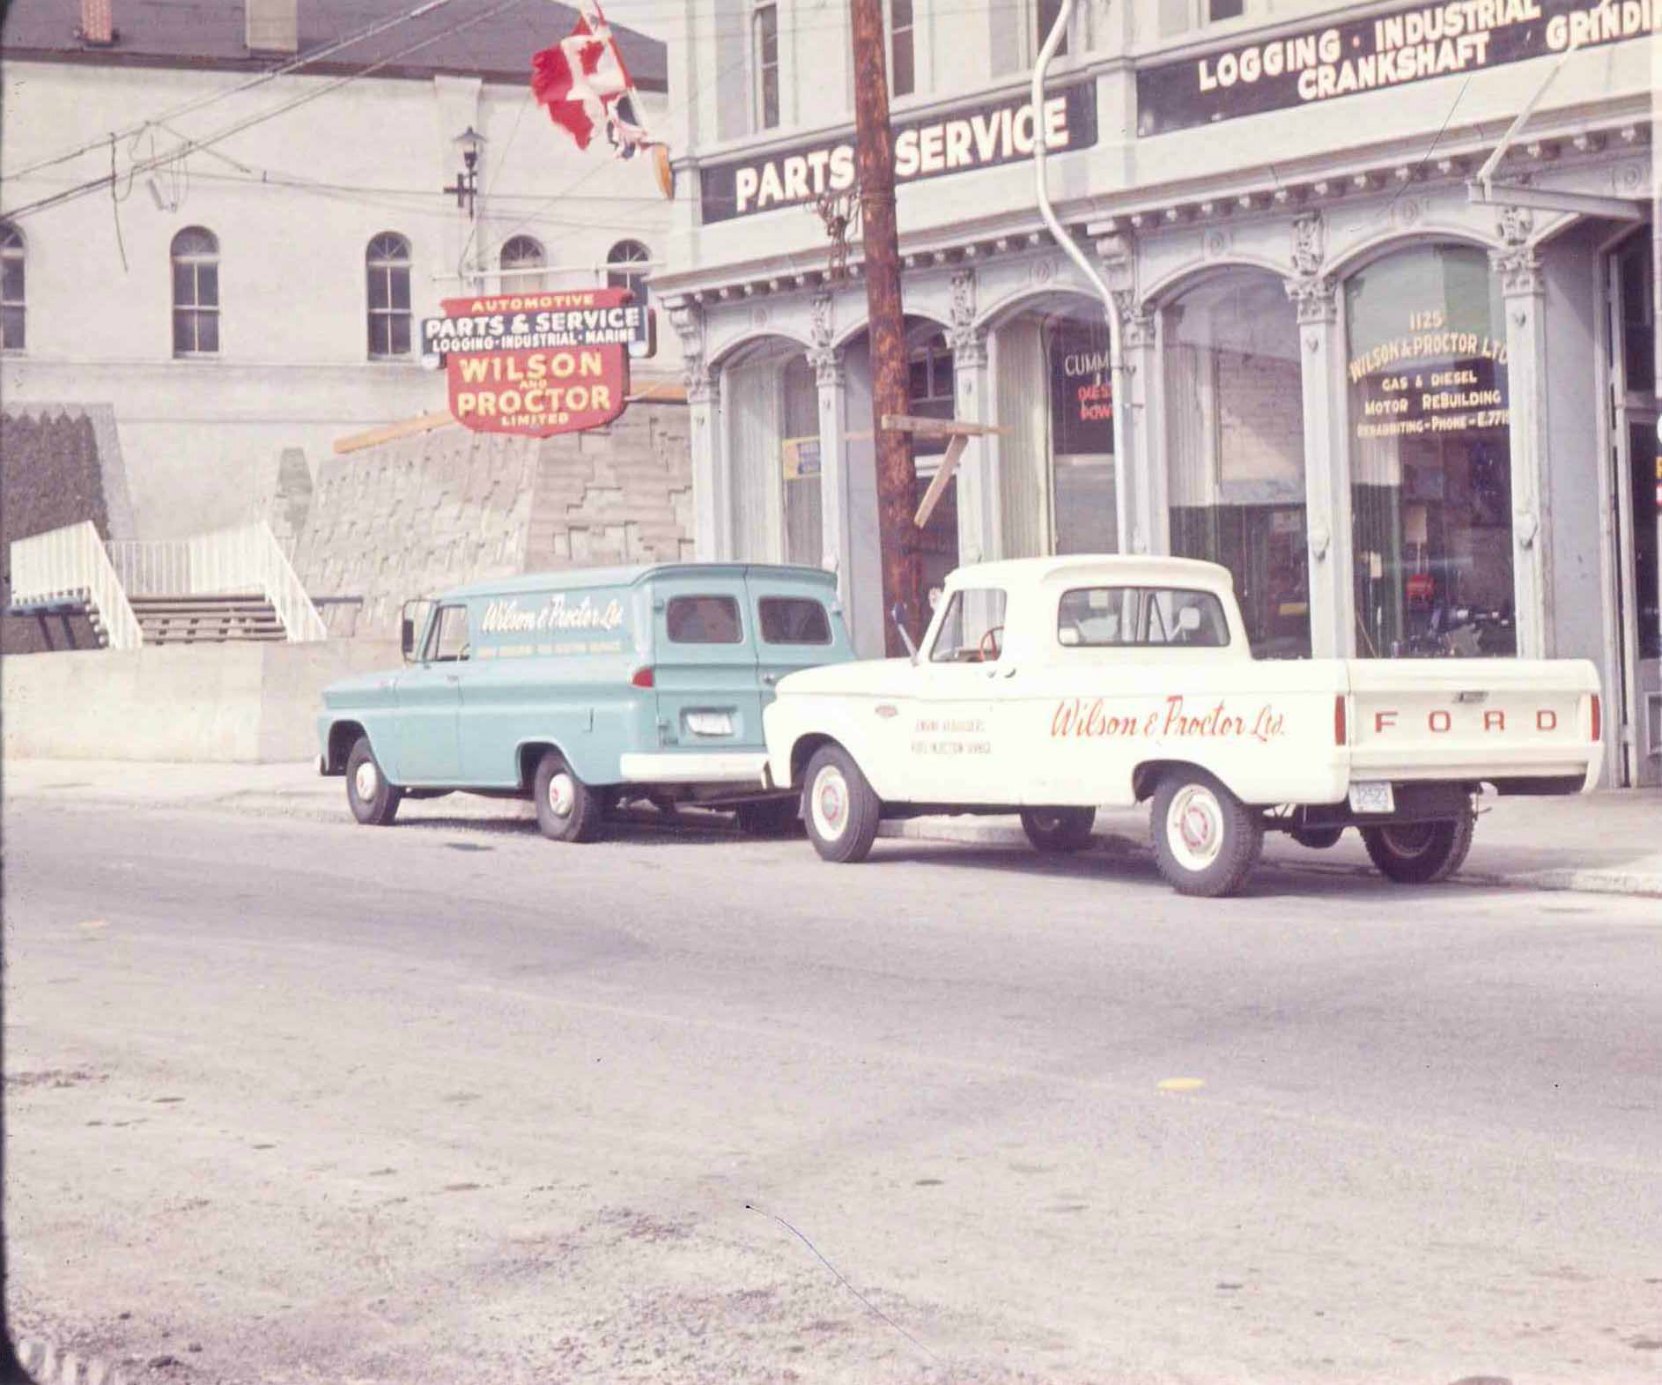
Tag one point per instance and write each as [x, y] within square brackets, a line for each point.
[696, 767]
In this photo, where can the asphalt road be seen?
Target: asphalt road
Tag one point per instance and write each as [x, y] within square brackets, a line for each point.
[293, 1101]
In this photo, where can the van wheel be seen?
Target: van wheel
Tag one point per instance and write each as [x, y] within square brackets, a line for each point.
[768, 817]
[568, 810]
[1420, 853]
[839, 806]
[374, 802]
[1206, 841]
[1056, 831]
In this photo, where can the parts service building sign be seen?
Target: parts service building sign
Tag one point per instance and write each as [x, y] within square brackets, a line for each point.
[1407, 43]
[538, 364]
[931, 146]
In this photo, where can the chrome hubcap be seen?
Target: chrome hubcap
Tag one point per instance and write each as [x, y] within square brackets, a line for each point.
[562, 795]
[366, 781]
[830, 803]
[1194, 827]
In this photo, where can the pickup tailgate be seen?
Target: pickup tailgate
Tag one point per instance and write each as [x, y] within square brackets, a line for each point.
[1488, 719]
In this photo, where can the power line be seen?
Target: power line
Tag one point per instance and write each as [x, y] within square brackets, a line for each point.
[191, 146]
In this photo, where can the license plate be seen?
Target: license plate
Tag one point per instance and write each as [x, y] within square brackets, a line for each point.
[1372, 796]
[710, 723]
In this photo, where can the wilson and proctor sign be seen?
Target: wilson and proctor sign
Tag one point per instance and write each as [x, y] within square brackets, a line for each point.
[1413, 43]
[958, 141]
[538, 364]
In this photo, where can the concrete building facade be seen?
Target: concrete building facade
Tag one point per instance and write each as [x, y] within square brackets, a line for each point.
[281, 218]
[1403, 388]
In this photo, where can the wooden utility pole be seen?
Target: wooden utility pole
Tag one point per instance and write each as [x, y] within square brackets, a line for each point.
[896, 474]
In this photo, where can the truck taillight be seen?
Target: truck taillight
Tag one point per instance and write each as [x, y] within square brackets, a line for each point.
[641, 678]
[1341, 730]
[1598, 718]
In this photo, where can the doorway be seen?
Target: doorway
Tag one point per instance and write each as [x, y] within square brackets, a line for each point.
[1636, 507]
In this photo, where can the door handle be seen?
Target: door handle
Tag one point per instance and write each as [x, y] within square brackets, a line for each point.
[452, 678]
[769, 679]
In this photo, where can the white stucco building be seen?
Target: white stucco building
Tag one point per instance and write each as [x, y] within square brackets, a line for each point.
[254, 277]
[1413, 417]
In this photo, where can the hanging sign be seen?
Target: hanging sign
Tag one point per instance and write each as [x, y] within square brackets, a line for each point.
[1081, 390]
[959, 141]
[1408, 43]
[541, 363]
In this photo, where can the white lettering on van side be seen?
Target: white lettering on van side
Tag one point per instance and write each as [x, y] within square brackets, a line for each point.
[558, 614]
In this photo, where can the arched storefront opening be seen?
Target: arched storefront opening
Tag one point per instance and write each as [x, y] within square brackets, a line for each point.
[1235, 447]
[770, 413]
[1431, 488]
[1052, 390]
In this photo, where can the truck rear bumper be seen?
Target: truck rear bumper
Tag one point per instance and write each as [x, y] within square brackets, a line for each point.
[696, 767]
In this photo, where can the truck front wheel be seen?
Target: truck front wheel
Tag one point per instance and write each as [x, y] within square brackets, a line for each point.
[373, 801]
[1206, 841]
[1420, 853]
[1056, 831]
[839, 806]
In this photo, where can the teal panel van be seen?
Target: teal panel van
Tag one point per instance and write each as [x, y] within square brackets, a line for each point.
[585, 690]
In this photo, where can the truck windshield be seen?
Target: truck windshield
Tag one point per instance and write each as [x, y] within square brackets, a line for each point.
[1118, 617]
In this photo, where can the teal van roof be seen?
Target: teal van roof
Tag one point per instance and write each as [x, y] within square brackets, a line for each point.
[589, 578]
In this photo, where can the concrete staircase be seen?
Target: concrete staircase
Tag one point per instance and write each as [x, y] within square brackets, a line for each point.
[207, 619]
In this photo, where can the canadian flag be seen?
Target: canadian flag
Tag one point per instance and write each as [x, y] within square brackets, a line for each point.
[585, 86]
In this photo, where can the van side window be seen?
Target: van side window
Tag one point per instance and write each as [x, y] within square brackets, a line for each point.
[793, 620]
[703, 620]
[449, 642]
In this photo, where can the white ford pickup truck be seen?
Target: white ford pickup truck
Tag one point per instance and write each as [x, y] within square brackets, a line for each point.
[1050, 686]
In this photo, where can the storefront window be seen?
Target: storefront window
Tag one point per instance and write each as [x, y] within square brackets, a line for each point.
[1235, 447]
[1081, 435]
[1430, 456]
[800, 483]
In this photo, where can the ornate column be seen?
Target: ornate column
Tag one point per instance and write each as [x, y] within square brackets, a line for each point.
[711, 510]
[832, 380]
[1523, 291]
[1139, 460]
[980, 525]
[1327, 495]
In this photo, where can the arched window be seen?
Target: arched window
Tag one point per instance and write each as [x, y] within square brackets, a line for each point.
[11, 288]
[195, 293]
[1234, 405]
[388, 263]
[520, 256]
[628, 263]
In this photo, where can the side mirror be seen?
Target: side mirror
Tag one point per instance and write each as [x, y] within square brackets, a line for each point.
[898, 615]
[406, 636]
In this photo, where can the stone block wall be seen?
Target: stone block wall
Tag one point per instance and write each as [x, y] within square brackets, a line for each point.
[417, 515]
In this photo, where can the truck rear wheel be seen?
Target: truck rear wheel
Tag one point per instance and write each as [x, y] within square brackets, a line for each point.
[373, 801]
[1420, 853]
[1206, 841]
[1056, 831]
[568, 810]
[839, 806]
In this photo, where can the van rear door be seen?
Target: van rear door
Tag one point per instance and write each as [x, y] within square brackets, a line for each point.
[797, 627]
[704, 663]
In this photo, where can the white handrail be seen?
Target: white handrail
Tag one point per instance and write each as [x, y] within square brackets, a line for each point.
[70, 564]
[249, 558]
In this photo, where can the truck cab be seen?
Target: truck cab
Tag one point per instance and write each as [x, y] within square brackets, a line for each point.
[584, 690]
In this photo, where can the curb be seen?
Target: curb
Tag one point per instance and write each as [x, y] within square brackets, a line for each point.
[48, 1366]
[1582, 881]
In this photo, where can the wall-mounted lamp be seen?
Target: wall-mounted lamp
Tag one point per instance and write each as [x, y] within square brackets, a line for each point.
[466, 186]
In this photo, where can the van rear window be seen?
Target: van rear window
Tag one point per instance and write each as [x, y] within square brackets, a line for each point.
[793, 620]
[703, 620]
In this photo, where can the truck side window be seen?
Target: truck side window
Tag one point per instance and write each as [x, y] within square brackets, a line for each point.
[1117, 617]
[703, 620]
[449, 636]
[793, 620]
[972, 630]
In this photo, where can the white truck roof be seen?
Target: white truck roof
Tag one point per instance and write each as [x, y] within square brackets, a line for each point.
[1095, 569]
